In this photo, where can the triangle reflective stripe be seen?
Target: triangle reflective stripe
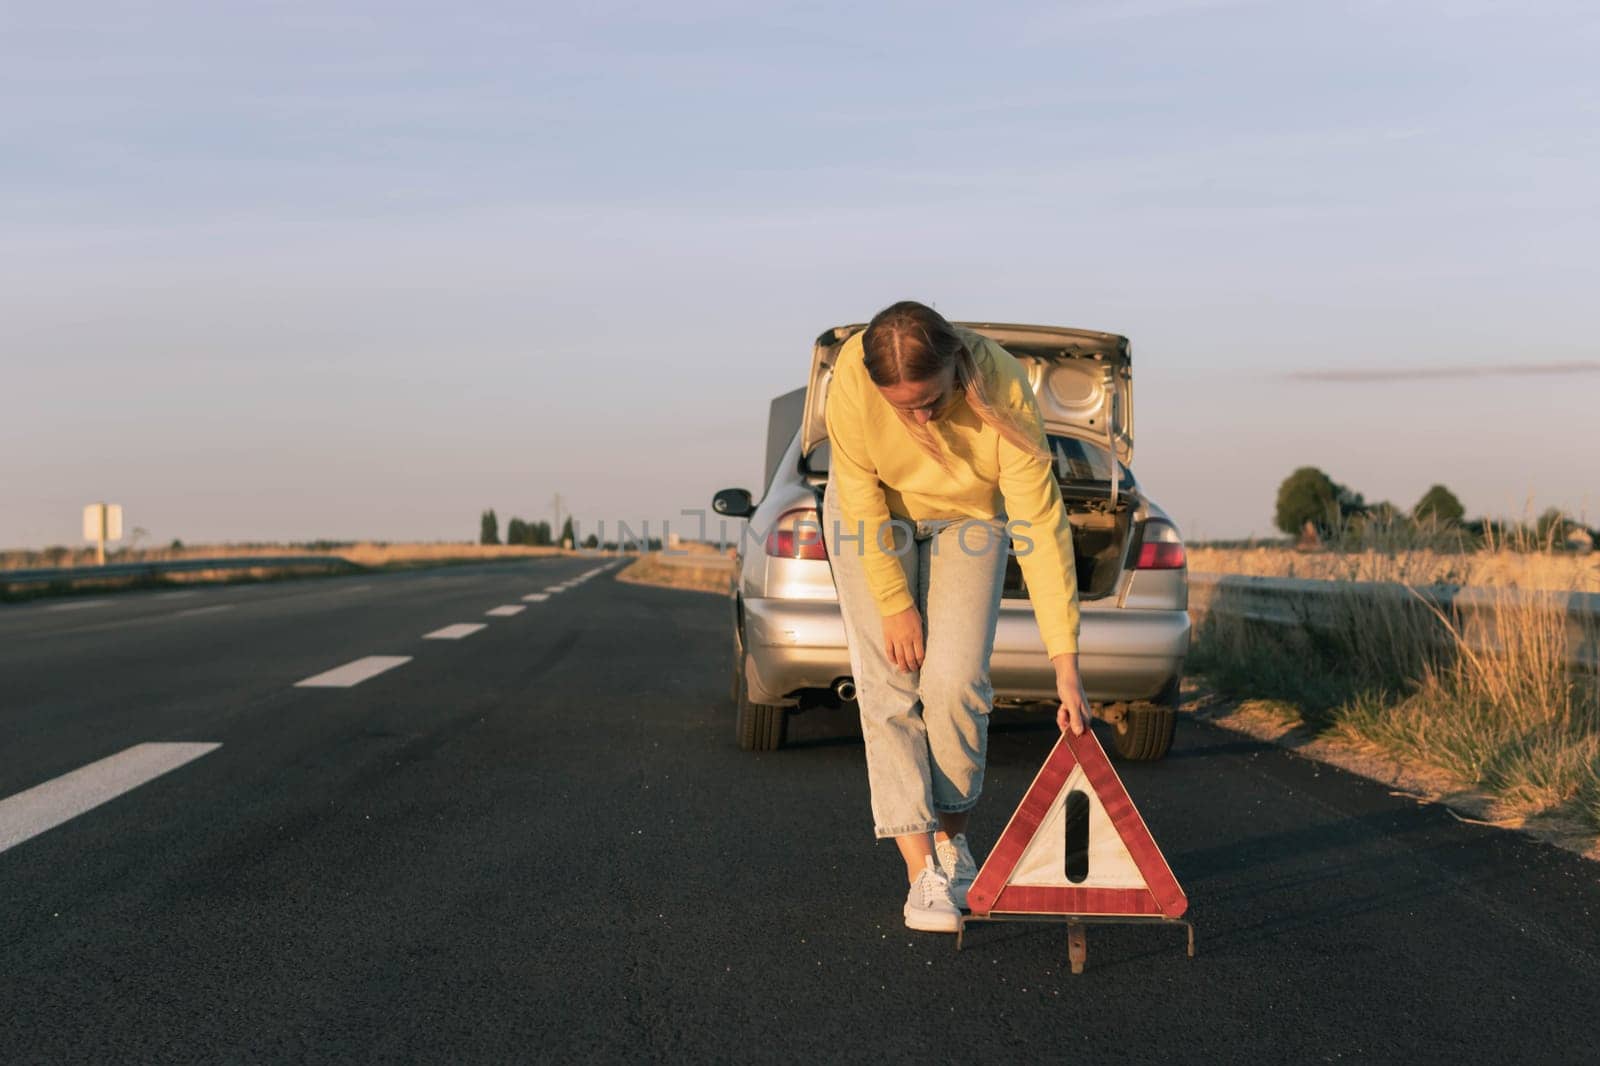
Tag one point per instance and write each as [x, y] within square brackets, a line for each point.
[1112, 867]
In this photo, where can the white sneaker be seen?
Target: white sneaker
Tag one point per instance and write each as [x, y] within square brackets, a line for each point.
[955, 862]
[929, 907]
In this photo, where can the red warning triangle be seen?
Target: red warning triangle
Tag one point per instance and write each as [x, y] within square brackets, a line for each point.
[1076, 845]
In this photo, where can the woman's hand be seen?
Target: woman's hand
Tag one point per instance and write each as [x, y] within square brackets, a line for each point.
[902, 639]
[1074, 710]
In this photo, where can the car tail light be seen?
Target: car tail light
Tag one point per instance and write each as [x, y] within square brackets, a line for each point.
[1161, 548]
[797, 535]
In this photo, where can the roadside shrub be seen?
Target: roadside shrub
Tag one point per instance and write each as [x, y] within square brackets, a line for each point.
[1386, 660]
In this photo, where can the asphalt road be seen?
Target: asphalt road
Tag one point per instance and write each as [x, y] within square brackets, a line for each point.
[539, 842]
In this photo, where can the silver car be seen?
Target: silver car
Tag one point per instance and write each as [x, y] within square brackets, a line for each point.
[789, 651]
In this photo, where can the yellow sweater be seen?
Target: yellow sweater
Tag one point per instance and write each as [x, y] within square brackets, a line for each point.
[882, 472]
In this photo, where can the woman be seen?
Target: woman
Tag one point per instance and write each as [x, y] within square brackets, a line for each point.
[938, 461]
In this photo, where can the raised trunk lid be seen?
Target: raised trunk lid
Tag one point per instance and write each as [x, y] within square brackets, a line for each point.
[1082, 379]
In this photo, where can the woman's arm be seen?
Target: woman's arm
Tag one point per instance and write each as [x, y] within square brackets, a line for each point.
[865, 514]
[1042, 539]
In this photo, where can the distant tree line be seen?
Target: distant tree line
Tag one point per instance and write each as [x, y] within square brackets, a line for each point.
[1314, 508]
[537, 534]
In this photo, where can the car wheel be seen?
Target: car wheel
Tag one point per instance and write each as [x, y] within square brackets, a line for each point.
[759, 726]
[1145, 732]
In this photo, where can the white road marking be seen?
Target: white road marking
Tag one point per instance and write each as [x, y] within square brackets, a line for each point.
[77, 605]
[43, 807]
[555, 588]
[505, 612]
[355, 588]
[455, 632]
[353, 673]
[174, 595]
[536, 597]
[202, 610]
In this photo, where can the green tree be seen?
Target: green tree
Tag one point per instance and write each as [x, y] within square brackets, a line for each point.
[568, 537]
[1308, 495]
[1440, 506]
[1380, 517]
[489, 528]
[517, 532]
[1552, 527]
[591, 541]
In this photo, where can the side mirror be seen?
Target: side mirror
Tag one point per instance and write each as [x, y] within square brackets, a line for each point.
[735, 503]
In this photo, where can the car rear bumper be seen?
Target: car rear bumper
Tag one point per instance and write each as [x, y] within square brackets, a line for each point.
[1124, 654]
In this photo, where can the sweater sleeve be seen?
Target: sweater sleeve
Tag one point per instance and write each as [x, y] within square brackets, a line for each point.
[861, 501]
[1041, 533]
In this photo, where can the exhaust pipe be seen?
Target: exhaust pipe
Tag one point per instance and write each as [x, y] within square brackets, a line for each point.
[845, 689]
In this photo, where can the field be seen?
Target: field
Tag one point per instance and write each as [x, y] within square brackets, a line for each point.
[698, 568]
[361, 553]
[1488, 568]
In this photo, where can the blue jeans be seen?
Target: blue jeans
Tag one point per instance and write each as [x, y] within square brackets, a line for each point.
[926, 732]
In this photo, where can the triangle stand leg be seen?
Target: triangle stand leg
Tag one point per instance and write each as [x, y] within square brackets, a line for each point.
[1077, 946]
[1077, 924]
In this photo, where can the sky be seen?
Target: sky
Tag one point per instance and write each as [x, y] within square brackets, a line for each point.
[293, 270]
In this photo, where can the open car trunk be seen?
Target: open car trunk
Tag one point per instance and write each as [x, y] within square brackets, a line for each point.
[1099, 547]
[1102, 519]
[1083, 382]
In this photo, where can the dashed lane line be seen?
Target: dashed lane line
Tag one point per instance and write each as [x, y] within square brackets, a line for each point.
[214, 608]
[183, 595]
[555, 588]
[77, 605]
[455, 632]
[43, 807]
[536, 597]
[506, 611]
[353, 673]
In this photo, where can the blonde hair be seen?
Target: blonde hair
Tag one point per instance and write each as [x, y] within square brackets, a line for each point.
[909, 341]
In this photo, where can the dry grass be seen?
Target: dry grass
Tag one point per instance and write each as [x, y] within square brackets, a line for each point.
[1496, 567]
[364, 555]
[361, 553]
[1408, 681]
[680, 573]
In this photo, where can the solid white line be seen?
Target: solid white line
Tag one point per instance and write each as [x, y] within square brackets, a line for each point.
[536, 597]
[505, 612]
[202, 610]
[77, 606]
[43, 807]
[455, 632]
[353, 673]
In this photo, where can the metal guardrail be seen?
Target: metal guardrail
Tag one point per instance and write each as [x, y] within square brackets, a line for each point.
[1474, 612]
[153, 568]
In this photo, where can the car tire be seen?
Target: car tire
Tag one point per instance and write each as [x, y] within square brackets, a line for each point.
[1145, 733]
[759, 726]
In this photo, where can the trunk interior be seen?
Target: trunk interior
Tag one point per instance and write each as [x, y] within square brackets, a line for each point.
[1099, 540]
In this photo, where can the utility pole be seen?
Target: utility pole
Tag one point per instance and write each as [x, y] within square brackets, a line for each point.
[555, 528]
